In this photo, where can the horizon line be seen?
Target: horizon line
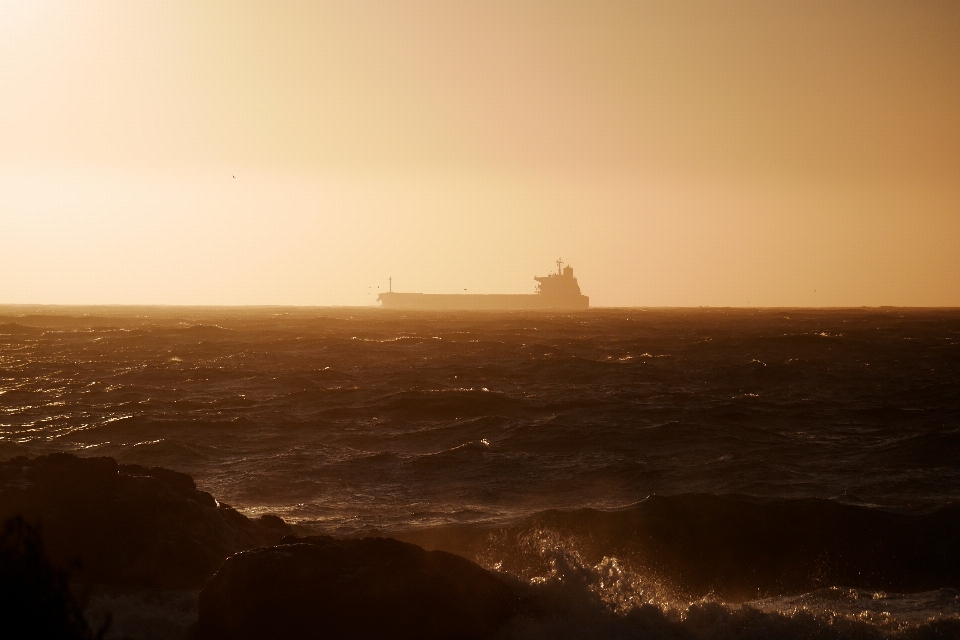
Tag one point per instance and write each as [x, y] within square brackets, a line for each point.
[118, 305]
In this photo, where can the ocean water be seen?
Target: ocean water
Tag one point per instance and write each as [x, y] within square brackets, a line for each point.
[568, 451]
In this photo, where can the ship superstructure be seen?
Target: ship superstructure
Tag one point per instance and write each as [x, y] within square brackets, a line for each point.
[558, 290]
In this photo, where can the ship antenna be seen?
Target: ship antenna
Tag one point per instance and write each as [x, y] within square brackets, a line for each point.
[559, 263]
[391, 283]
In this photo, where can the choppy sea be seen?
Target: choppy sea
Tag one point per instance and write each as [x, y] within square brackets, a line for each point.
[542, 445]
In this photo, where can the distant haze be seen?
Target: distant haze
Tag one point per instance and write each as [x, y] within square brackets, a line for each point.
[674, 153]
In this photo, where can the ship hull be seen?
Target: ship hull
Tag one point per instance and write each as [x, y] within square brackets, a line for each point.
[481, 302]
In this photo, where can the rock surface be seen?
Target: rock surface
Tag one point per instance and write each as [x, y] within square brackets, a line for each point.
[128, 525]
[320, 587]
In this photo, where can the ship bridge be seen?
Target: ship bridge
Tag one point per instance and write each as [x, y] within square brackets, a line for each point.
[561, 284]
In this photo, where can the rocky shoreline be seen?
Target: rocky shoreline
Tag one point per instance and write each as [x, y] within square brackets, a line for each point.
[126, 525]
[146, 547]
[125, 551]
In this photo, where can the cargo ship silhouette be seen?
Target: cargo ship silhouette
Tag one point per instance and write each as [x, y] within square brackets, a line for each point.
[555, 291]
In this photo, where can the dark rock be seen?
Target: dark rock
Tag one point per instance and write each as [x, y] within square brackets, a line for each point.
[320, 587]
[127, 524]
[35, 596]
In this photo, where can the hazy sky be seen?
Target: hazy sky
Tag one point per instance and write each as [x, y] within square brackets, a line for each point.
[720, 153]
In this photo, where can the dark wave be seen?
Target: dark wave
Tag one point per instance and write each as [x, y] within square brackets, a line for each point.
[736, 547]
[450, 403]
[17, 329]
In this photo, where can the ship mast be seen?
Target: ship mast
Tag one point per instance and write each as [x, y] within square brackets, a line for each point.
[559, 264]
[391, 283]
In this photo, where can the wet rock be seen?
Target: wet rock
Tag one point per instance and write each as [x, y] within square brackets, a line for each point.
[320, 587]
[128, 525]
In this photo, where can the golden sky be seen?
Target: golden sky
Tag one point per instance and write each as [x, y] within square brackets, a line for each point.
[674, 153]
